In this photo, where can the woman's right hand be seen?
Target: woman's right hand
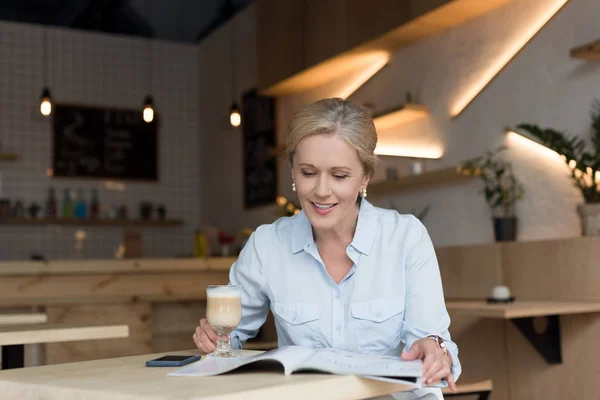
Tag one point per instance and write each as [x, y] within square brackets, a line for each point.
[205, 337]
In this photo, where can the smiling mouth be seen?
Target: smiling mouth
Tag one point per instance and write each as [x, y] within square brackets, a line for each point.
[324, 207]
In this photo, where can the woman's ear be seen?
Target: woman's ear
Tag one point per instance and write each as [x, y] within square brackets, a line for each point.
[366, 180]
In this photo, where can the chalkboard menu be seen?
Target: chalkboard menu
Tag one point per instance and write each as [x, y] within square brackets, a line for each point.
[94, 142]
[260, 164]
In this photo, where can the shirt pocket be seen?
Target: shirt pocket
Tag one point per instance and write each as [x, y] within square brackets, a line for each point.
[297, 322]
[378, 324]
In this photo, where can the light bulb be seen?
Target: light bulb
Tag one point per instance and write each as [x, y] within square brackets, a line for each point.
[46, 102]
[235, 117]
[46, 107]
[148, 114]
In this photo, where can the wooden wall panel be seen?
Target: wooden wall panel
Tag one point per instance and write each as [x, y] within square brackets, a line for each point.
[136, 316]
[567, 269]
[280, 39]
[173, 325]
[367, 20]
[325, 30]
[532, 378]
[470, 271]
[482, 352]
[55, 289]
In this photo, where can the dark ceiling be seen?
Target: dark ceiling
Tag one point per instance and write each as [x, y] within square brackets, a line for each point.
[177, 20]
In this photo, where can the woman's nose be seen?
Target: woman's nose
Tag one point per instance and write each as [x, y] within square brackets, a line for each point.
[322, 187]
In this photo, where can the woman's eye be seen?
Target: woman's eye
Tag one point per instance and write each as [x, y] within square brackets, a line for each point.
[340, 177]
[307, 173]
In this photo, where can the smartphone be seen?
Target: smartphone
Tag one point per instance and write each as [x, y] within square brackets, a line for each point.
[172, 360]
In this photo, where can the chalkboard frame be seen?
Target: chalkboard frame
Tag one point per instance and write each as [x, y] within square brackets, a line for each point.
[156, 122]
[271, 137]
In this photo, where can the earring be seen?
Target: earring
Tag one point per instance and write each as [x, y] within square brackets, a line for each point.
[364, 192]
[293, 186]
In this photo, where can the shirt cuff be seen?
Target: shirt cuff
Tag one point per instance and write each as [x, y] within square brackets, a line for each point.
[236, 343]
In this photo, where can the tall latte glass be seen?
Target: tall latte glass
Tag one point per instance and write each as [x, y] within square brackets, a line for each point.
[223, 313]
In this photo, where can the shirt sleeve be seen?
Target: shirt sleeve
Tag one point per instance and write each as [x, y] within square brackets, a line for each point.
[425, 310]
[247, 272]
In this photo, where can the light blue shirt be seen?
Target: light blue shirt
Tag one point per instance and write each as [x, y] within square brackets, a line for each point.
[391, 297]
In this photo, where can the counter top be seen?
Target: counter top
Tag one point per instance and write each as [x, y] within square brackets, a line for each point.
[114, 266]
[522, 308]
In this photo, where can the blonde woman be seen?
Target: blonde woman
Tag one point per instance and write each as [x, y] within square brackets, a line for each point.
[343, 273]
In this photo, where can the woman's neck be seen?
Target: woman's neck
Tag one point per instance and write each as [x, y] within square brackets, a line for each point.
[341, 234]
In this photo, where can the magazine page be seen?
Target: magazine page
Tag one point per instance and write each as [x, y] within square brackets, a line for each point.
[348, 363]
[289, 357]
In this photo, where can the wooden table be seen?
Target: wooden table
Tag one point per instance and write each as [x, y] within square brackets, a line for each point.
[127, 378]
[544, 335]
[23, 318]
[15, 336]
[14, 355]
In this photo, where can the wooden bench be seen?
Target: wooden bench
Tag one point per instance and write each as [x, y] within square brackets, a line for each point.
[14, 337]
[468, 385]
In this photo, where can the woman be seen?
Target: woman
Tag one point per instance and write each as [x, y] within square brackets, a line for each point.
[342, 273]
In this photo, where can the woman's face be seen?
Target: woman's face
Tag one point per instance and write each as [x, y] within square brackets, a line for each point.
[329, 176]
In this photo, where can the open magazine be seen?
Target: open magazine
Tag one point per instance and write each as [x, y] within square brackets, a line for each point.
[333, 361]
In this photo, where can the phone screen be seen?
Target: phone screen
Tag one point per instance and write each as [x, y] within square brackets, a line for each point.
[173, 358]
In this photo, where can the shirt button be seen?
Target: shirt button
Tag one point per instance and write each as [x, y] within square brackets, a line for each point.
[378, 314]
[294, 318]
[338, 327]
[337, 295]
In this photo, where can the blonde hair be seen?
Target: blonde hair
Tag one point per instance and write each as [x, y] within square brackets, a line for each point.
[335, 116]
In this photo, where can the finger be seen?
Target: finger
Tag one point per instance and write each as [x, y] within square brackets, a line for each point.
[195, 341]
[432, 370]
[210, 332]
[209, 346]
[439, 374]
[451, 383]
[413, 353]
[430, 358]
[203, 339]
[199, 344]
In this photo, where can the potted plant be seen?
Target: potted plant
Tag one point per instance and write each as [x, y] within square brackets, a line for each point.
[501, 190]
[584, 165]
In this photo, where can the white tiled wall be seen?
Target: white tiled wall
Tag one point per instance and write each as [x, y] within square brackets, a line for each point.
[97, 69]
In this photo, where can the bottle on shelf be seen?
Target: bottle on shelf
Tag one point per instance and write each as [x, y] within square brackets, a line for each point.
[80, 205]
[94, 205]
[68, 207]
[51, 204]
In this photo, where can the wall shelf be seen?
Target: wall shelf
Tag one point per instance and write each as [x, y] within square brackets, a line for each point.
[91, 222]
[9, 156]
[406, 113]
[424, 179]
[589, 51]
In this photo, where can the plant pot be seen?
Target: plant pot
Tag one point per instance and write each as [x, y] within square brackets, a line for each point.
[505, 229]
[590, 218]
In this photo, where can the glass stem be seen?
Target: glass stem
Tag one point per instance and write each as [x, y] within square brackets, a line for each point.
[224, 343]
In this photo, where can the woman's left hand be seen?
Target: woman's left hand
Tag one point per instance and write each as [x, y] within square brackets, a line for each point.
[436, 364]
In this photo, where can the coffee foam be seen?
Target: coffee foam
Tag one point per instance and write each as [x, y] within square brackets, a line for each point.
[224, 291]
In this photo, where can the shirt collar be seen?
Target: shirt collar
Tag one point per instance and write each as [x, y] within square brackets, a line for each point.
[363, 236]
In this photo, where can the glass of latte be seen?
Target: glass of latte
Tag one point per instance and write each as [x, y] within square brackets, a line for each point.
[223, 313]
